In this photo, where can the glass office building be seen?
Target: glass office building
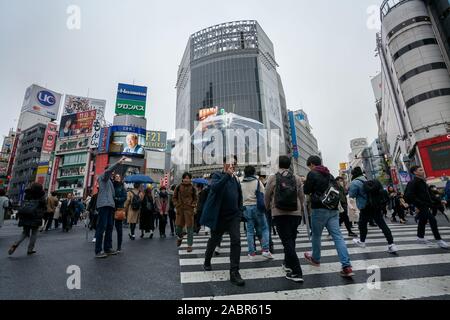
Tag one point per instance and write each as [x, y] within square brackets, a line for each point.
[232, 66]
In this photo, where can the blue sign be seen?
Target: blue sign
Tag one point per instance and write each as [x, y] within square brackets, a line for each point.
[405, 177]
[46, 98]
[131, 92]
[293, 135]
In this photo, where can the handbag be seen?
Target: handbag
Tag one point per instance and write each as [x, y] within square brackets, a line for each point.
[119, 214]
[260, 199]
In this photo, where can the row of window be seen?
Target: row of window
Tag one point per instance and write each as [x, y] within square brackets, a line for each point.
[427, 96]
[75, 158]
[421, 69]
[414, 45]
[407, 23]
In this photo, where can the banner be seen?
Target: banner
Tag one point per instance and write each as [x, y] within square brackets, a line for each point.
[75, 104]
[131, 100]
[104, 140]
[95, 137]
[49, 138]
[42, 101]
[55, 173]
[156, 140]
[77, 124]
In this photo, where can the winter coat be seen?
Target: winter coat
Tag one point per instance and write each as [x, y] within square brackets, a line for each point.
[34, 220]
[52, 203]
[68, 210]
[120, 195]
[4, 204]
[162, 203]
[317, 182]
[147, 212]
[357, 192]
[132, 215]
[106, 188]
[185, 198]
[269, 196]
[417, 194]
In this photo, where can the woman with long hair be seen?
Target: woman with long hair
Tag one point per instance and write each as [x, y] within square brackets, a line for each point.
[147, 214]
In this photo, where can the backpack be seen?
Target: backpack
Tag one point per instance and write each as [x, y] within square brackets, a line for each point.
[286, 192]
[29, 209]
[374, 192]
[331, 199]
[136, 201]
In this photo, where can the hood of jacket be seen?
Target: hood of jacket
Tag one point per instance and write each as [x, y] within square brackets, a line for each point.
[248, 179]
[322, 169]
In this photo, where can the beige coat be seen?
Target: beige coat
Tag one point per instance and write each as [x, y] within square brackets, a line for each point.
[269, 197]
[132, 215]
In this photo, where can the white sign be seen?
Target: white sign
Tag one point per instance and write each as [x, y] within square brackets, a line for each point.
[95, 138]
[75, 104]
[41, 101]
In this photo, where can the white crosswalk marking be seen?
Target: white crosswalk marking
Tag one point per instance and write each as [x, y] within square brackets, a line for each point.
[417, 271]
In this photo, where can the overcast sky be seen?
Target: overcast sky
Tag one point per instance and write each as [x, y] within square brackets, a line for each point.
[324, 48]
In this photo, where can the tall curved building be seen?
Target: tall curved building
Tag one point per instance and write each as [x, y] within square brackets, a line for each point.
[415, 110]
[232, 66]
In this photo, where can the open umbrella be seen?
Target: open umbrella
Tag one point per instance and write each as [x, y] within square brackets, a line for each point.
[200, 181]
[138, 178]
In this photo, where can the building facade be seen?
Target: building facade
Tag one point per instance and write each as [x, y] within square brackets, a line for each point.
[7, 146]
[304, 144]
[232, 66]
[414, 111]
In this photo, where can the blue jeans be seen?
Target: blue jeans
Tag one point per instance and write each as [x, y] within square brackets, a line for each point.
[105, 225]
[256, 219]
[324, 218]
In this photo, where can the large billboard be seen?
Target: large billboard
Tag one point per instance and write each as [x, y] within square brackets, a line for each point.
[42, 101]
[49, 138]
[435, 154]
[129, 141]
[76, 104]
[74, 125]
[131, 100]
[156, 140]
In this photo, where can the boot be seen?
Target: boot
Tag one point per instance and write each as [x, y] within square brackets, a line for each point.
[236, 278]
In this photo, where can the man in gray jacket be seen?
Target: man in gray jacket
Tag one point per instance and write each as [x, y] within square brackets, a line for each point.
[105, 208]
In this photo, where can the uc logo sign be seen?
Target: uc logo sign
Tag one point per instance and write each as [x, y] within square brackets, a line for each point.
[46, 98]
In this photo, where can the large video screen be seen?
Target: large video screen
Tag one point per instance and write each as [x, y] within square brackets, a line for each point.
[128, 141]
[77, 124]
[440, 156]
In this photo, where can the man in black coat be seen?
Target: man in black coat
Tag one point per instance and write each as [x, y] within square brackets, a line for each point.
[417, 193]
[68, 212]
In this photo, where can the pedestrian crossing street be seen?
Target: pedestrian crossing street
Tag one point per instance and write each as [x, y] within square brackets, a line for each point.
[417, 271]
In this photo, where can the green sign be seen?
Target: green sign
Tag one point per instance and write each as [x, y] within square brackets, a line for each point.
[133, 107]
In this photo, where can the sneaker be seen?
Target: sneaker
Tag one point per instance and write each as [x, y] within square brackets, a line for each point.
[392, 248]
[179, 241]
[309, 258]
[217, 251]
[347, 272]
[151, 235]
[359, 243]
[442, 244]
[207, 267]
[101, 255]
[119, 251]
[93, 240]
[286, 269]
[252, 257]
[294, 277]
[111, 252]
[267, 255]
[423, 241]
[236, 278]
[189, 249]
[12, 249]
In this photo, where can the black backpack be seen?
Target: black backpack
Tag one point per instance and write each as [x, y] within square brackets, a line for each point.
[136, 201]
[29, 210]
[286, 192]
[374, 192]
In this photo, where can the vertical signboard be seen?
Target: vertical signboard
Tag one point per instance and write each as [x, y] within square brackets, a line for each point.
[131, 100]
[49, 138]
[54, 173]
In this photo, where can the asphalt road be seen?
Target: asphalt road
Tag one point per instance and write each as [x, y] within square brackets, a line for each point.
[147, 269]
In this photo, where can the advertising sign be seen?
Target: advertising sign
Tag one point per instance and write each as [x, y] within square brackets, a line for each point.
[435, 154]
[131, 99]
[75, 104]
[203, 114]
[104, 140]
[55, 173]
[95, 137]
[77, 124]
[293, 135]
[63, 146]
[394, 176]
[343, 166]
[49, 138]
[404, 177]
[41, 101]
[129, 141]
[156, 140]
[42, 172]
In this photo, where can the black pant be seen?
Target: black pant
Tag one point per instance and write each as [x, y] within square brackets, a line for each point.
[234, 229]
[132, 228]
[48, 220]
[287, 230]
[172, 217]
[270, 224]
[425, 216]
[343, 218]
[118, 224]
[66, 222]
[162, 224]
[366, 215]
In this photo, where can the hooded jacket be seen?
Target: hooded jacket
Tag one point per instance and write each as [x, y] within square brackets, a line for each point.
[317, 182]
[249, 186]
[357, 192]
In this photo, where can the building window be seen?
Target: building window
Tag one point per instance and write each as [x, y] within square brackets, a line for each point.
[412, 46]
[421, 69]
[427, 95]
[408, 23]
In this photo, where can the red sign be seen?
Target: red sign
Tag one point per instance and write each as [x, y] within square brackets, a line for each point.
[77, 124]
[101, 161]
[435, 155]
[394, 176]
[55, 173]
[49, 138]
